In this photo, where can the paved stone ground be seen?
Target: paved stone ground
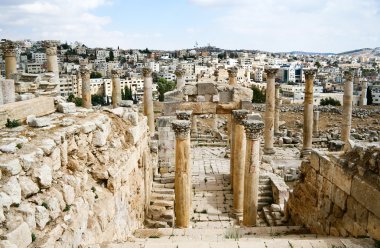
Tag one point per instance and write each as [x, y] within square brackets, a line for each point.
[212, 196]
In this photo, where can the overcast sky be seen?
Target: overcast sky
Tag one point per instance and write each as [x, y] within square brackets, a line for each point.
[270, 25]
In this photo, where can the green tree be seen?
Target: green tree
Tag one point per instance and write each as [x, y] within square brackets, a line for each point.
[317, 64]
[258, 95]
[77, 100]
[330, 101]
[126, 94]
[97, 100]
[164, 86]
[95, 74]
[369, 96]
[112, 57]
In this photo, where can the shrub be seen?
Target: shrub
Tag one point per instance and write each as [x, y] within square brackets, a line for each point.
[258, 95]
[330, 101]
[12, 124]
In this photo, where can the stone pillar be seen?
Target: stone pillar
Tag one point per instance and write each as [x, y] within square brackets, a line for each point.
[363, 97]
[253, 131]
[216, 74]
[51, 56]
[116, 88]
[269, 111]
[316, 123]
[7, 90]
[238, 155]
[9, 51]
[308, 111]
[148, 99]
[182, 180]
[278, 103]
[86, 87]
[232, 76]
[180, 73]
[347, 106]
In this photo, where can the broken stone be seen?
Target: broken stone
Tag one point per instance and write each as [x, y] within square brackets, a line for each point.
[44, 175]
[66, 107]
[21, 236]
[42, 217]
[28, 187]
[11, 167]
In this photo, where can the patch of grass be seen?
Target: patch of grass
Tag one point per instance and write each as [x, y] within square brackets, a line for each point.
[154, 237]
[19, 145]
[45, 205]
[67, 208]
[205, 180]
[233, 233]
[33, 237]
[204, 211]
[96, 196]
[203, 196]
[12, 123]
[93, 189]
[377, 243]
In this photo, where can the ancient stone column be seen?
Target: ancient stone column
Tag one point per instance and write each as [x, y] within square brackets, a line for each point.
[7, 88]
[269, 110]
[86, 87]
[253, 132]
[238, 155]
[232, 76]
[148, 99]
[9, 51]
[182, 180]
[316, 123]
[216, 74]
[347, 106]
[180, 73]
[278, 103]
[51, 56]
[116, 87]
[363, 97]
[308, 111]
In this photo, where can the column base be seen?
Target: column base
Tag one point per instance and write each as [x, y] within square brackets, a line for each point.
[237, 213]
[269, 151]
[305, 152]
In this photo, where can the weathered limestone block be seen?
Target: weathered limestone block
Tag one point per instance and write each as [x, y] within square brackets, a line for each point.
[363, 192]
[207, 89]
[42, 217]
[28, 211]
[314, 159]
[174, 96]
[11, 167]
[342, 179]
[28, 187]
[225, 96]
[88, 127]
[30, 160]
[339, 197]
[373, 227]
[54, 208]
[357, 212]
[7, 87]
[44, 175]
[47, 146]
[190, 89]
[21, 236]
[241, 94]
[132, 117]
[66, 107]
[9, 148]
[326, 167]
[20, 110]
[13, 190]
[7, 244]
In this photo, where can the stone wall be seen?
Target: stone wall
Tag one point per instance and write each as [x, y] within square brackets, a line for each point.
[339, 194]
[84, 180]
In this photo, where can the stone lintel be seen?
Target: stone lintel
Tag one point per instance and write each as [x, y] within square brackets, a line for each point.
[183, 114]
[181, 128]
[253, 129]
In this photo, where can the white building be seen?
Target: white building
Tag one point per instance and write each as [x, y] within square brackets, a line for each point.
[155, 67]
[35, 68]
[39, 57]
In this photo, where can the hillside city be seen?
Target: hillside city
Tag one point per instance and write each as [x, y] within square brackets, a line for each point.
[200, 63]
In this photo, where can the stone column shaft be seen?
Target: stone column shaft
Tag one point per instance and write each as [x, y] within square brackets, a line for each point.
[148, 98]
[9, 51]
[269, 111]
[51, 57]
[86, 87]
[232, 76]
[253, 131]
[347, 106]
[316, 124]
[363, 97]
[277, 109]
[308, 111]
[239, 143]
[116, 88]
[180, 74]
[182, 179]
[230, 132]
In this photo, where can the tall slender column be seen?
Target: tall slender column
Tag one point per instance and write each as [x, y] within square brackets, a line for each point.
[9, 51]
[308, 111]
[363, 97]
[116, 88]
[316, 123]
[238, 155]
[253, 132]
[269, 111]
[347, 106]
[182, 180]
[51, 56]
[216, 74]
[86, 87]
[180, 73]
[148, 100]
[232, 76]
[278, 103]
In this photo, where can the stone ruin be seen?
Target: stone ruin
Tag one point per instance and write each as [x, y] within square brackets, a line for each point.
[84, 177]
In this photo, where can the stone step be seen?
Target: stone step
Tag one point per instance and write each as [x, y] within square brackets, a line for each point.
[163, 190]
[156, 224]
[162, 203]
[166, 197]
[216, 144]
[265, 193]
[267, 199]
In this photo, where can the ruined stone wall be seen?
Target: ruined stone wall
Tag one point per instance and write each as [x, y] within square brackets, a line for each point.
[84, 180]
[339, 194]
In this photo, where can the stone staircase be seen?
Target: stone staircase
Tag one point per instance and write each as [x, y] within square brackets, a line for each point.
[268, 237]
[208, 140]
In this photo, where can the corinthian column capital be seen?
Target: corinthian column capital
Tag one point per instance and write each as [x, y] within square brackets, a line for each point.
[310, 73]
[271, 72]
[181, 128]
[253, 129]
[147, 72]
[240, 115]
